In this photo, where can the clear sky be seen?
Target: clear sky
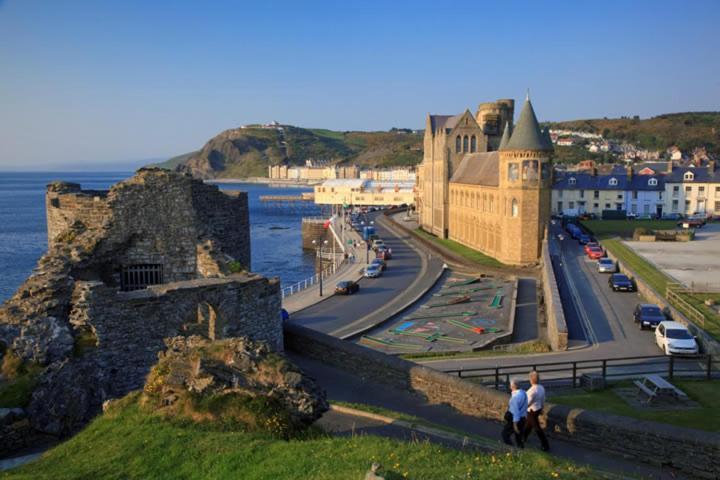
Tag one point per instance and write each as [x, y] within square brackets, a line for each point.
[85, 83]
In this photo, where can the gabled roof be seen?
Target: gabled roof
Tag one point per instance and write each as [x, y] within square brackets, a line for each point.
[438, 122]
[587, 181]
[527, 135]
[478, 169]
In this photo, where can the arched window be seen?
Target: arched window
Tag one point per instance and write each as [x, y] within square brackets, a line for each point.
[652, 182]
[458, 144]
[465, 143]
[689, 176]
[613, 181]
[473, 144]
[514, 208]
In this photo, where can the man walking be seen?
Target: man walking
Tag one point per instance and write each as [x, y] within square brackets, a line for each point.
[515, 415]
[536, 403]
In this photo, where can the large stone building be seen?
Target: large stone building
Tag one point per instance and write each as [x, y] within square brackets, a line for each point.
[158, 255]
[488, 191]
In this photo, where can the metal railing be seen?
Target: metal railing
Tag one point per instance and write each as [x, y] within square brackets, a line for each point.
[575, 372]
[674, 293]
[314, 280]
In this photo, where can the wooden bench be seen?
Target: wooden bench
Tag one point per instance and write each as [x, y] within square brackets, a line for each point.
[651, 393]
[497, 301]
[654, 386]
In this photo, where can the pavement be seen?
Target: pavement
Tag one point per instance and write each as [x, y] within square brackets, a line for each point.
[343, 386]
[695, 263]
[409, 274]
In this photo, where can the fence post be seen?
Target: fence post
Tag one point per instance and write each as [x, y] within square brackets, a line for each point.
[709, 367]
[604, 370]
[574, 374]
[497, 378]
[671, 366]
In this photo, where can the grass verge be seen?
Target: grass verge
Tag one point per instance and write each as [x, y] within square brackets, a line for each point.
[703, 418]
[521, 348]
[125, 443]
[465, 252]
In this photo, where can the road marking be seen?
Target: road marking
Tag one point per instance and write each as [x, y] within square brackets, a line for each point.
[582, 313]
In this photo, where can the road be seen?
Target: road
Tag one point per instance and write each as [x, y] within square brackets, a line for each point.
[407, 272]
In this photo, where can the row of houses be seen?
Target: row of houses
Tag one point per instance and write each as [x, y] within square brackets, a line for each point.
[639, 190]
[321, 172]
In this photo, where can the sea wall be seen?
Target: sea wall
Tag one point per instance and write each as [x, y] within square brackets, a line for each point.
[557, 331]
[694, 452]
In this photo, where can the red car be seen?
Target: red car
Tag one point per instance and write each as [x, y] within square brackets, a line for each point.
[595, 253]
[590, 245]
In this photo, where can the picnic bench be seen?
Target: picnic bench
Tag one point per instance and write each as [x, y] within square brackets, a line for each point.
[654, 386]
[497, 301]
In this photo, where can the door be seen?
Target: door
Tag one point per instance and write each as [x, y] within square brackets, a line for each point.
[658, 211]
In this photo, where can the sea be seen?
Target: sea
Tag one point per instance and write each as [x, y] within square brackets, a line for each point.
[275, 233]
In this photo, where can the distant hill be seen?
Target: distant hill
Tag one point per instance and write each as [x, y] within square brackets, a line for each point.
[247, 152]
[686, 130]
[173, 162]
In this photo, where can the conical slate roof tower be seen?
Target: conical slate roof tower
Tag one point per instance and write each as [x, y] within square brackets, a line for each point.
[505, 136]
[527, 134]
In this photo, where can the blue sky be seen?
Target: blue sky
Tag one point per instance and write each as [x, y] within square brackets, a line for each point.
[94, 83]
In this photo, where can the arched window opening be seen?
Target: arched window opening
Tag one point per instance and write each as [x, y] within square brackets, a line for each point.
[473, 144]
[465, 143]
[458, 144]
[514, 208]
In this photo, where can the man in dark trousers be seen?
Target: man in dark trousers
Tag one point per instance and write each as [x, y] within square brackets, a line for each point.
[536, 403]
[515, 415]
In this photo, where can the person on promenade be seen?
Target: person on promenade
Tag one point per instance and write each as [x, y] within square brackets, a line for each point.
[515, 415]
[536, 403]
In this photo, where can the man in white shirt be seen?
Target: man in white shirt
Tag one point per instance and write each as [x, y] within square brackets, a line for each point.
[515, 415]
[536, 403]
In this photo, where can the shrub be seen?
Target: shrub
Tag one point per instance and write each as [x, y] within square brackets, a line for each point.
[235, 267]
[12, 365]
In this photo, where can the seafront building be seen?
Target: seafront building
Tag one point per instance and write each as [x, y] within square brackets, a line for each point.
[485, 183]
[364, 192]
[315, 172]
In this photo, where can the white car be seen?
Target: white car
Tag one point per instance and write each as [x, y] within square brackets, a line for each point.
[377, 243]
[673, 338]
[606, 265]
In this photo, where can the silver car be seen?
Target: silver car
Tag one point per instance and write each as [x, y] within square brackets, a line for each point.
[606, 265]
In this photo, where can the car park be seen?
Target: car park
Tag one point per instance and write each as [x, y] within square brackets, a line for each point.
[648, 315]
[621, 282]
[346, 287]
[674, 338]
[595, 253]
[379, 262]
[606, 265]
[373, 271]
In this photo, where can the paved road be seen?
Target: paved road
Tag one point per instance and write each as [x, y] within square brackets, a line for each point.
[339, 314]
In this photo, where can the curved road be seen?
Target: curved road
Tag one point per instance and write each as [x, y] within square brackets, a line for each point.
[339, 313]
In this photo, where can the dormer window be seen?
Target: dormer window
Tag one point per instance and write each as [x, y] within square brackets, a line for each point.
[613, 182]
[571, 181]
[689, 176]
[652, 182]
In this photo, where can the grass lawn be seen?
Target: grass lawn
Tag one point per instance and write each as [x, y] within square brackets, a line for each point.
[703, 418]
[625, 228]
[126, 443]
[462, 250]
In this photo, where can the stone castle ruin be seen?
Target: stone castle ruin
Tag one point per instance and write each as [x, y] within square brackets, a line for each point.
[158, 255]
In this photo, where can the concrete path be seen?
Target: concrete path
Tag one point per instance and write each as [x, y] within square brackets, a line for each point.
[349, 387]
[526, 326]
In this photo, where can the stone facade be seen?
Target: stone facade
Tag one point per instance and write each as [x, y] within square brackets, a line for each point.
[486, 192]
[158, 255]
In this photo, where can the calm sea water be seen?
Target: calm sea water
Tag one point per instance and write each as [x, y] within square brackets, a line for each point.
[276, 242]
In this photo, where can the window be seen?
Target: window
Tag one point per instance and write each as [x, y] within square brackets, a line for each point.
[596, 206]
[514, 208]
[633, 208]
[559, 206]
[717, 206]
[582, 193]
[675, 205]
[701, 190]
[618, 206]
[458, 144]
[689, 176]
[613, 181]
[717, 190]
[572, 205]
[571, 181]
[619, 196]
[465, 143]
[596, 194]
[687, 206]
[560, 193]
[513, 171]
[136, 277]
[634, 195]
[688, 189]
[676, 190]
[530, 170]
[652, 182]
[607, 206]
[473, 144]
[660, 195]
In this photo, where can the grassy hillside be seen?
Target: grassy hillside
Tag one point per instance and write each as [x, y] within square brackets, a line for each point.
[686, 130]
[248, 151]
[126, 443]
[173, 162]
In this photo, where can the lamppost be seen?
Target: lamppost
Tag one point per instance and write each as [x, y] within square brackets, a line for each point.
[318, 252]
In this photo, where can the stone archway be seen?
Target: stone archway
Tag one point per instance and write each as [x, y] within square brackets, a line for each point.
[209, 318]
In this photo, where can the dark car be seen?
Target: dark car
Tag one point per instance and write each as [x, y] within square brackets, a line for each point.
[379, 262]
[584, 238]
[647, 315]
[620, 281]
[346, 287]
[671, 216]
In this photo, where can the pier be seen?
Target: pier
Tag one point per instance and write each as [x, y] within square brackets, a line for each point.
[303, 203]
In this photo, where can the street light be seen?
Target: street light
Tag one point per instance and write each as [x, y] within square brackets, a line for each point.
[318, 252]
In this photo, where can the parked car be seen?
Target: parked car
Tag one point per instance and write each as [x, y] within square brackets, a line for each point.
[648, 315]
[584, 238]
[606, 265]
[589, 245]
[673, 338]
[595, 253]
[346, 287]
[380, 263]
[384, 253]
[620, 281]
[373, 271]
[691, 222]
[671, 216]
[377, 243]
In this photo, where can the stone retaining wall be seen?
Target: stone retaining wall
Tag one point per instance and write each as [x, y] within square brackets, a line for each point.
[557, 331]
[694, 452]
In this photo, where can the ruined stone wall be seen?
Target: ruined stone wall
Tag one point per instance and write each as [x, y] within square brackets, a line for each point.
[66, 203]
